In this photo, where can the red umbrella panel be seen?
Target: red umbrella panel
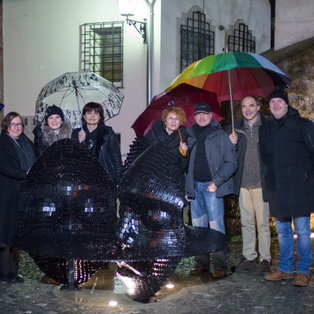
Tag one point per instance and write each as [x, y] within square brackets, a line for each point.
[184, 96]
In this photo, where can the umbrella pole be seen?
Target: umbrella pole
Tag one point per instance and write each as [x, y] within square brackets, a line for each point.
[77, 101]
[231, 103]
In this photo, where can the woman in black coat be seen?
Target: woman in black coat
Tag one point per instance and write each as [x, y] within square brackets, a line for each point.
[52, 129]
[167, 131]
[100, 140]
[16, 158]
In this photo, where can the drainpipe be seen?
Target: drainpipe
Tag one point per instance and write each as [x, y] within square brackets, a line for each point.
[150, 41]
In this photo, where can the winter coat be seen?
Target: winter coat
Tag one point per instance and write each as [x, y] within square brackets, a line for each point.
[287, 149]
[158, 133]
[11, 178]
[221, 157]
[107, 150]
[45, 136]
[241, 150]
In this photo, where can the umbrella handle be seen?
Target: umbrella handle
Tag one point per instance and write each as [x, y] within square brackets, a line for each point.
[182, 152]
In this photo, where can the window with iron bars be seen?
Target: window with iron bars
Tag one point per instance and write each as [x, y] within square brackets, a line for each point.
[102, 50]
[242, 39]
[197, 40]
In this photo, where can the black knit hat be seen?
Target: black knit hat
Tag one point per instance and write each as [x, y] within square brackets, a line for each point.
[53, 110]
[279, 93]
[202, 107]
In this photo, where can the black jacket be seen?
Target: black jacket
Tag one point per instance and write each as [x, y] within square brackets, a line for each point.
[287, 149]
[107, 150]
[11, 178]
[158, 133]
[241, 150]
[45, 136]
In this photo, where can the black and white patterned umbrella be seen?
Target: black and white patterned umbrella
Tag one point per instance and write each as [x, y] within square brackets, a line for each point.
[72, 90]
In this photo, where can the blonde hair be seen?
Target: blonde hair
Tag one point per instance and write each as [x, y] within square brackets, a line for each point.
[178, 111]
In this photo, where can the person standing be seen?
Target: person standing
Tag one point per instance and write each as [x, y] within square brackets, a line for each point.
[16, 158]
[248, 184]
[167, 131]
[100, 139]
[212, 162]
[287, 149]
[53, 128]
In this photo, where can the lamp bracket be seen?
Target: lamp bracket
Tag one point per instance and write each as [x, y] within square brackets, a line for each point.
[139, 26]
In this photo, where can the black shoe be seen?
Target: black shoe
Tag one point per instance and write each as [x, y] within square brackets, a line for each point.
[12, 278]
[265, 266]
[245, 265]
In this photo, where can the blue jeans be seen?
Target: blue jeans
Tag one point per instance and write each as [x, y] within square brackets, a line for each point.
[208, 210]
[286, 244]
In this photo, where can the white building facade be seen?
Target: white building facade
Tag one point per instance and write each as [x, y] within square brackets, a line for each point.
[42, 40]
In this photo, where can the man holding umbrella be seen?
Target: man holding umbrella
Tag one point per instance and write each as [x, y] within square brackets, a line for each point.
[248, 183]
[287, 149]
[212, 162]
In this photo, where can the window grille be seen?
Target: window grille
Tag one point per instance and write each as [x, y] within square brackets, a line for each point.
[242, 39]
[102, 50]
[197, 40]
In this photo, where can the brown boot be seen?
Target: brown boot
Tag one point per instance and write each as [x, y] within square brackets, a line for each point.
[278, 275]
[198, 270]
[219, 274]
[301, 279]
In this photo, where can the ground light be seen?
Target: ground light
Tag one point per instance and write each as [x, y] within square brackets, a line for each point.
[170, 286]
[113, 303]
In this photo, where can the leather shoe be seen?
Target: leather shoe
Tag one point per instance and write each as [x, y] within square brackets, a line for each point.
[198, 270]
[278, 275]
[301, 279]
[245, 265]
[219, 274]
[265, 266]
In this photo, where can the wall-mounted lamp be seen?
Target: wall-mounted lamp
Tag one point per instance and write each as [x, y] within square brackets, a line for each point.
[221, 27]
[139, 26]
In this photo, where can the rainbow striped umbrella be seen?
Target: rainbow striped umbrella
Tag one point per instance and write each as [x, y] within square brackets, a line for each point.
[234, 75]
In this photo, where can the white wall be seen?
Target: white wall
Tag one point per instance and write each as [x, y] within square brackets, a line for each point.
[41, 42]
[294, 22]
[254, 13]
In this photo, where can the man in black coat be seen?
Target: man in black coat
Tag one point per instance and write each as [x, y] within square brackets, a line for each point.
[248, 184]
[287, 149]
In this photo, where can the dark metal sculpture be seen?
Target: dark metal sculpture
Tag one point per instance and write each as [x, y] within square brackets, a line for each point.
[68, 220]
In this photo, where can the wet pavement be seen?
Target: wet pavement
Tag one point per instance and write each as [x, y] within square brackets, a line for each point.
[238, 293]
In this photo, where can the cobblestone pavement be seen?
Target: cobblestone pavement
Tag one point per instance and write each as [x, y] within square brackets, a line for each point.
[238, 293]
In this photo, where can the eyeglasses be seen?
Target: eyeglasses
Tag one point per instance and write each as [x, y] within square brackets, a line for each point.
[16, 125]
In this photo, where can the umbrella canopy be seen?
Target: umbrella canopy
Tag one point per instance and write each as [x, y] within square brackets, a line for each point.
[234, 75]
[72, 90]
[249, 74]
[184, 96]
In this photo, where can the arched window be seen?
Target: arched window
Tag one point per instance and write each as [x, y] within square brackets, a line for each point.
[241, 40]
[197, 40]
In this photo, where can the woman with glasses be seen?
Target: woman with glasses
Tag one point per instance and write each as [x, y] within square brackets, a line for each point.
[16, 158]
[53, 128]
[100, 140]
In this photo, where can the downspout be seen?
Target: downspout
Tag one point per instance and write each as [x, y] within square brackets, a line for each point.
[150, 41]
